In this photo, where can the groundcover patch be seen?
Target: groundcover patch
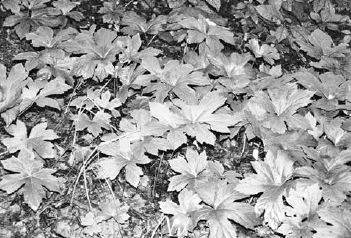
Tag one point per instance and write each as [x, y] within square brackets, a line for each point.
[175, 118]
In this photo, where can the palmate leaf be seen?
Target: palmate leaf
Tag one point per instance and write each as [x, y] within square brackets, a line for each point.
[235, 66]
[189, 169]
[183, 219]
[110, 167]
[44, 37]
[215, 3]
[329, 86]
[38, 139]
[197, 119]
[30, 173]
[139, 128]
[268, 53]
[130, 47]
[321, 44]
[99, 51]
[338, 222]
[331, 175]
[101, 120]
[279, 107]
[137, 24]
[172, 78]
[272, 179]
[199, 30]
[38, 92]
[302, 215]
[38, 14]
[11, 87]
[235, 69]
[112, 12]
[220, 198]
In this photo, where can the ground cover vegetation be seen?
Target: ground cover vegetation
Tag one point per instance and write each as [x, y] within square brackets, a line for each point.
[177, 118]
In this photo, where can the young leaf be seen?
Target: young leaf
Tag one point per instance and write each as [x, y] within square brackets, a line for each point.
[38, 139]
[183, 214]
[30, 173]
[272, 178]
[189, 170]
[220, 198]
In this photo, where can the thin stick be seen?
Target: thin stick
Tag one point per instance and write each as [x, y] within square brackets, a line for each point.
[86, 189]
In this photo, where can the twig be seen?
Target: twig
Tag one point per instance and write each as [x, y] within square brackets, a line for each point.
[86, 189]
[160, 223]
[244, 145]
[158, 172]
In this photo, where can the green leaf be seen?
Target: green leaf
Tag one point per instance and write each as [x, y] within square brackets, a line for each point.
[173, 78]
[183, 214]
[141, 126]
[99, 51]
[220, 198]
[130, 47]
[271, 179]
[38, 139]
[197, 119]
[113, 208]
[321, 44]
[35, 14]
[268, 53]
[65, 6]
[329, 86]
[330, 174]
[279, 107]
[44, 37]
[199, 30]
[302, 212]
[110, 167]
[215, 3]
[101, 120]
[11, 87]
[137, 24]
[30, 173]
[39, 92]
[271, 12]
[338, 222]
[189, 170]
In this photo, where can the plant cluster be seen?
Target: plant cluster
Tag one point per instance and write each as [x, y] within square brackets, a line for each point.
[273, 72]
